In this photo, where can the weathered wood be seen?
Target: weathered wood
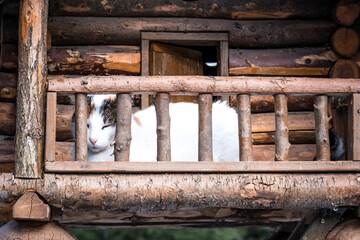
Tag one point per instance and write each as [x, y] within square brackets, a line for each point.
[145, 47]
[346, 12]
[123, 127]
[354, 127]
[322, 128]
[31, 230]
[9, 58]
[31, 88]
[81, 115]
[282, 145]
[245, 138]
[126, 192]
[50, 137]
[281, 62]
[345, 230]
[345, 68]
[8, 82]
[208, 37]
[30, 207]
[295, 137]
[202, 84]
[205, 128]
[246, 34]
[345, 42]
[163, 127]
[206, 9]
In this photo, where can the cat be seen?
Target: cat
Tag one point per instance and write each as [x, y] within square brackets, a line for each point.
[183, 132]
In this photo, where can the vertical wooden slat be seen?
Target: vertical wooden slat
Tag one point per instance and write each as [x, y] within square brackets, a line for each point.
[145, 69]
[322, 128]
[123, 127]
[224, 63]
[282, 145]
[354, 128]
[50, 137]
[245, 136]
[205, 127]
[31, 88]
[81, 113]
[163, 127]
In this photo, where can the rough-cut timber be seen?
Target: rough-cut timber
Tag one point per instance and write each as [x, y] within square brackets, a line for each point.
[8, 82]
[345, 230]
[254, 9]
[345, 42]
[30, 207]
[346, 12]
[9, 58]
[245, 138]
[322, 128]
[354, 127]
[205, 128]
[31, 88]
[50, 137]
[281, 62]
[123, 127]
[202, 84]
[242, 33]
[81, 115]
[282, 145]
[135, 192]
[163, 127]
[345, 68]
[31, 230]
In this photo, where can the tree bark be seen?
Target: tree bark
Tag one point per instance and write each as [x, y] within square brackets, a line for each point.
[322, 128]
[246, 34]
[282, 145]
[205, 128]
[163, 127]
[245, 128]
[281, 62]
[123, 127]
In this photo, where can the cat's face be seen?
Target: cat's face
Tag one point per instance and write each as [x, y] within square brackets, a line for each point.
[101, 122]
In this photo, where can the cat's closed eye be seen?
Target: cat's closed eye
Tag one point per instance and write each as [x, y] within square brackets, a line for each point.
[105, 126]
[88, 126]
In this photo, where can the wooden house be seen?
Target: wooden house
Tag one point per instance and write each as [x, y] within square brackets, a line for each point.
[290, 68]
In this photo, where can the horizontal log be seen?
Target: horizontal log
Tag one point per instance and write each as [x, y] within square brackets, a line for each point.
[295, 137]
[8, 82]
[202, 84]
[281, 62]
[242, 33]
[134, 192]
[9, 58]
[254, 9]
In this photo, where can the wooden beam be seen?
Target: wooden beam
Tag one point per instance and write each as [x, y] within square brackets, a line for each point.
[282, 145]
[123, 127]
[345, 42]
[322, 128]
[50, 137]
[202, 84]
[205, 128]
[354, 127]
[184, 36]
[155, 192]
[163, 127]
[145, 46]
[31, 88]
[81, 115]
[30, 207]
[245, 138]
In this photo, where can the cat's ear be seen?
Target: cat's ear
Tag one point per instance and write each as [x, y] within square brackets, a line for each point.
[90, 104]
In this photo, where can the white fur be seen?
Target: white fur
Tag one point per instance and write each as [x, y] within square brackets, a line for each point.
[183, 134]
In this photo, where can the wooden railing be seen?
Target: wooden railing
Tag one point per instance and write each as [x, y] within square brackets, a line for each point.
[204, 87]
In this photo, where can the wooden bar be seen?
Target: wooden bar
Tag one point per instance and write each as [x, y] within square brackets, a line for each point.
[282, 145]
[245, 136]
[145, 46]
[81, 112]
[202, 84]
[205, 128]
[354, 127]
[223, 67]
[187, 36]
[50, 137]
[163, 127]
[31, 88]
[322, 128]
[123, 127]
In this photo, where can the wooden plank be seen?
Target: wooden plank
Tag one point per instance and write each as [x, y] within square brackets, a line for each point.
[205, 128]
[163, 127]
[223, 67]
[203, 84]
[322, 128]
[282, 145]
[30, 117]
[145, 45]
[123, 127]
[30, 207]
[81, 115]
[245, 137]
[50, 137]
[354, 127]
[185, 36]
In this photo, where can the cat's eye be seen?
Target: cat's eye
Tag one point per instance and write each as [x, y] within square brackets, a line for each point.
[88, 126]
[105, 126]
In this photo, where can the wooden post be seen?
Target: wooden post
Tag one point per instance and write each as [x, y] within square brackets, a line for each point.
[31, 88]
[223, 67]
[30, 207]
[205, 128]
[245, 134]
[50, 137]
[282, 145]
[123, 127]
[163, 127]
[322, 128]
[81, 127]
[354, 128]
[145, 46]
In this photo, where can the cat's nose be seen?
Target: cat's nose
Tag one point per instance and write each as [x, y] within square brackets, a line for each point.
[93, 140]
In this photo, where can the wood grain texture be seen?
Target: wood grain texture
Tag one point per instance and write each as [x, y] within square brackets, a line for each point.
[205, 128]
[322, 128]
[354, 127]
[30, 207]
[123, 127]
[81, 115]
[50, 131]
[163, 127]
[282, 145]
[346, 12]
[345, 68]
[245, 137]
[345, 42]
